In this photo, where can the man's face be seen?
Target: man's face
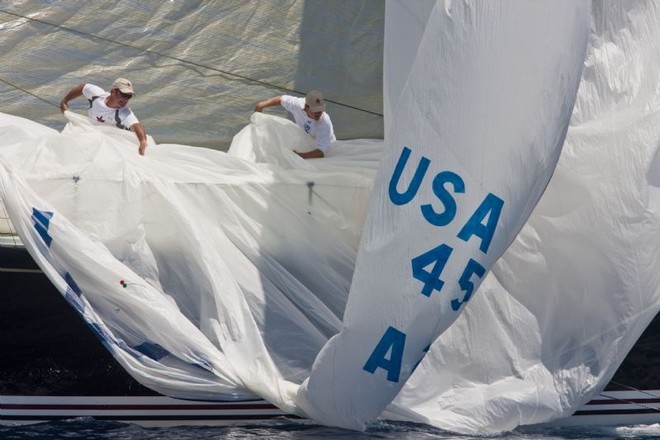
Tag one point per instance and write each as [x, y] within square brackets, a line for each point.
[121, 98]
[314, 115]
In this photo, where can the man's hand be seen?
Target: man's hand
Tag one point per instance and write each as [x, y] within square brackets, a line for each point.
[74, 93]
[314, 154]
[261, 105]
[142, 137]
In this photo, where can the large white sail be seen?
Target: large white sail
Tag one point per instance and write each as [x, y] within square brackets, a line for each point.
[223, 276]
[475, 134]
[198, 68]
[194, 267]
[570, 297]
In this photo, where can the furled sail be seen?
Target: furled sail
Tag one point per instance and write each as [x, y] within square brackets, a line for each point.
[476, 131]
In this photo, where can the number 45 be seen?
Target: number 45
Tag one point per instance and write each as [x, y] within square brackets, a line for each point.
[438, 257]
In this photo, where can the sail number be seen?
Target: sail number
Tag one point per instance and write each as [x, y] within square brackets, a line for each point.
[389, 352]
[481, 224]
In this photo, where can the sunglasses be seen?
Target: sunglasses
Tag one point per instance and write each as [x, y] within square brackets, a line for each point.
[315, 114]
[125, 95]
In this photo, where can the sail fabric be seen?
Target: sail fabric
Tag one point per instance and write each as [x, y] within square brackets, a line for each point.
[212, 275]
[198, 69]
[475, 134]
[207, 276]
[561, 309]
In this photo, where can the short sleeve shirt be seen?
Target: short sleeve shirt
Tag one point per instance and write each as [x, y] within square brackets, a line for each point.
[98, 110]
[320, 130]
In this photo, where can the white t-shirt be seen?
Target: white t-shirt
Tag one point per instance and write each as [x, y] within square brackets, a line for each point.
[98, 110]
[320, 130]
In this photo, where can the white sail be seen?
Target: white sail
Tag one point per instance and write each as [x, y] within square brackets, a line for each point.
[194, 267]
[223, 276]
[198, 69]
[564, 305]
[475, 134]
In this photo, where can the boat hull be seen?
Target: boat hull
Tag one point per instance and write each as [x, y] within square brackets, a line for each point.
[617, 408]
[148, 411]
[53, 367]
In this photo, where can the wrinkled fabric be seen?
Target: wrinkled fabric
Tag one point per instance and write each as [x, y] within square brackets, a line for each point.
[474, 138]
[207, 276]
[212, 275]
[561, 309]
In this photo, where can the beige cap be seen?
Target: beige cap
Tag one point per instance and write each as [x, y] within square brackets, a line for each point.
[314, 100]
[123, 85]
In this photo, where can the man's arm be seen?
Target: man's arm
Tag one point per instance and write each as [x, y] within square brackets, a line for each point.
[74, 93]
[142, 137]
[275, 100]
[314, 154]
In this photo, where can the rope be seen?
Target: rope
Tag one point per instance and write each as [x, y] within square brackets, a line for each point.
[181, 60]
[635, 389]
[12, 270]
[312, 192]
[642, 405]
[28, 92]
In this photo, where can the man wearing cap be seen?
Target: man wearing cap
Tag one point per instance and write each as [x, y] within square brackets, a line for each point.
[110, 108]
[309, 113]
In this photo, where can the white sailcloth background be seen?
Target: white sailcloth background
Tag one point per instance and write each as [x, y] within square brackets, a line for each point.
[222, 276]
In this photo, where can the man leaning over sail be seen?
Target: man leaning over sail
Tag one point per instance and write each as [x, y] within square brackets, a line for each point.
[309, 113]
[110, 108]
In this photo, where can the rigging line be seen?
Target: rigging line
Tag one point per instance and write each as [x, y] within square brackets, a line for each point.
[634, 389]
[16, 270]
[181, 60]
[310, 185]
[631, 402]
[28, 92]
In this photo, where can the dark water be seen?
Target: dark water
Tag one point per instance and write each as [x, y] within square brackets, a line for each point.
[86, 428]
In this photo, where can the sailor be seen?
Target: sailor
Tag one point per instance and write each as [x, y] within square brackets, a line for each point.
[309, 113]
[110, 108]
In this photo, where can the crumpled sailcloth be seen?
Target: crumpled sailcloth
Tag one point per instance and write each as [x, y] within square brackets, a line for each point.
[210, 275]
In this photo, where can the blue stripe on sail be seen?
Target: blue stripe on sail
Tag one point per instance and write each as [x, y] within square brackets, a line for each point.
[152, 350]
[107, 338]
[72, 284]
[149, 349]
[73, 299]
[41, 224]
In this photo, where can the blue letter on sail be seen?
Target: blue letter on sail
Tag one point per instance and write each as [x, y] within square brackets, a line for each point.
[401, 199]
[444, 218]
[392, 342]
[491, 207]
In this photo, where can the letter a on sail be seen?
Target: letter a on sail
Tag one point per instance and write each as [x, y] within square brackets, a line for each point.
[478, 102]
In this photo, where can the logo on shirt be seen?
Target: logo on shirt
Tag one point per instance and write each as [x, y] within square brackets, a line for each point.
[100, 119]
[308, 126]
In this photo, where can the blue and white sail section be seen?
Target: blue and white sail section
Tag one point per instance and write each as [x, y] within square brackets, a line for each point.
[478, 109]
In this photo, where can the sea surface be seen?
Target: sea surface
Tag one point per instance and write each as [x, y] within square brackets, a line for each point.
[87, 428]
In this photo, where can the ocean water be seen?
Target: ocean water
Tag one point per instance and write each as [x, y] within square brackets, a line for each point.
[87, 428]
